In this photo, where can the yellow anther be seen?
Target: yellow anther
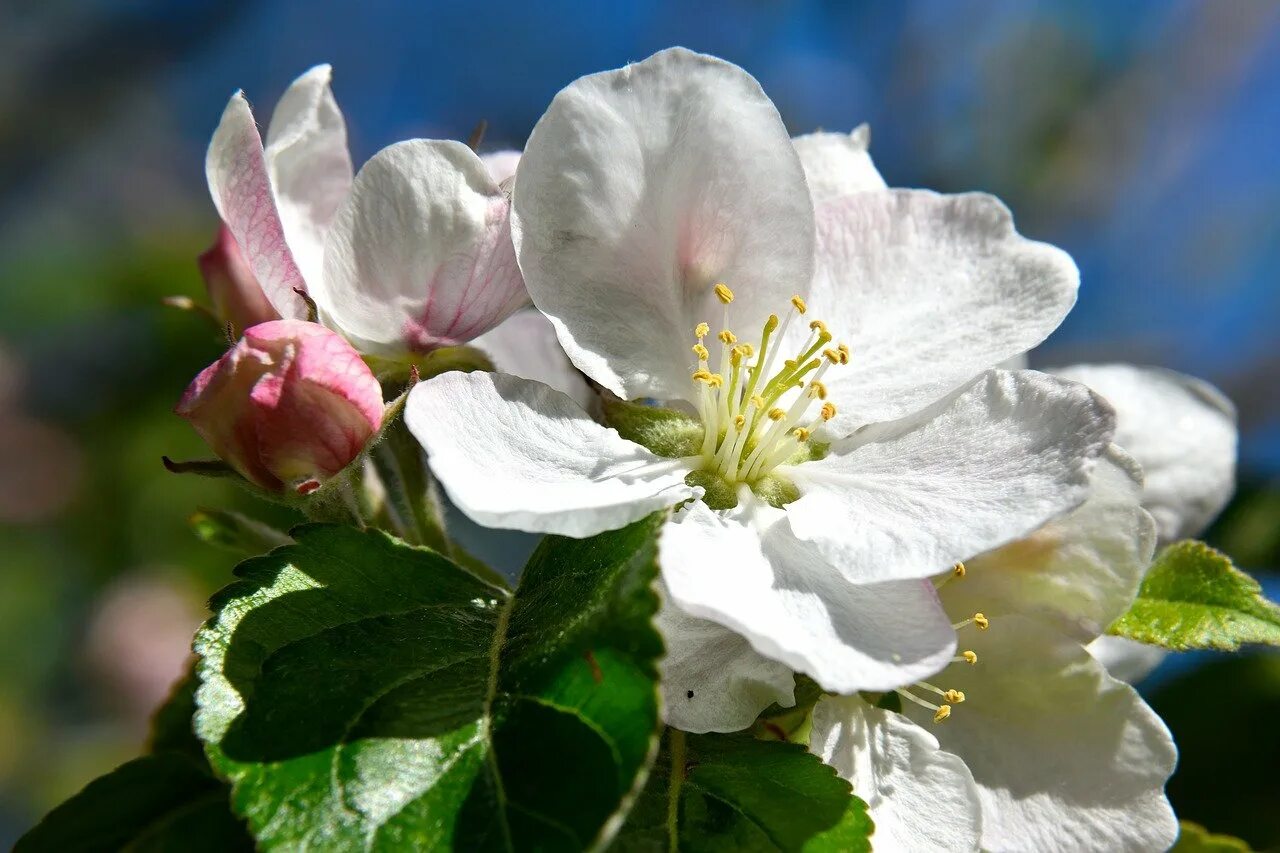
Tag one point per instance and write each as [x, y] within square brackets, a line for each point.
[701, 330]
[981, 621]
[740, 421]
[757, 401]
[969, 657]
[703, 375]
[828, 411]
[735, 356]
[832, 356]
[843, 349]
[747, 350]
[959, 570]
[942, 713]
[821, 328]
[817, 390]
[954, 696]
[723, 293]
[728, 337]
[776, 414]
[701, 352]
[800, 433]
[716, 380]
[799, 303]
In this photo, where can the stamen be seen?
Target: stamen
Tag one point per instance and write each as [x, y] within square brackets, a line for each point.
[959, 570]
[978, 619]
[757, 401]
[801, 434]
[776, 414]
[739, 421]
[832, 356]
[820, 327]
[818, 389]
[728, 337]
[828, 411]
[799, 304]
[954, 696]
[703, 375]
[844, 353]
[968, 657]
[942, 713]
[701, 352]
[701, 330]
[723, 293]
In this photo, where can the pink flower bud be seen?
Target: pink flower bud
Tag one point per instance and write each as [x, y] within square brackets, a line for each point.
[237, 297]
[290, 405]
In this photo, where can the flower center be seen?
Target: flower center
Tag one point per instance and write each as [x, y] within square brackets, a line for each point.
[747, 433]
[949, 696]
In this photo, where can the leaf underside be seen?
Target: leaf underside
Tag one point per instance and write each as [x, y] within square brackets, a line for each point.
[1194, 598]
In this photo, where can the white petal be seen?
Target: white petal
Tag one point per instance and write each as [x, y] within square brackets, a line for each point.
[501, 164]
[1181, 430]
[518, 454]
[983, 467]
[419, 255]
[1080, 572]
[743, 569]
[309, 165]
[920, 798]
[712, 680]
[525, 345]
[642, 188]
[838, 164]
[241, 189]
[928, 291]
[1065, 757]
[1125, 659]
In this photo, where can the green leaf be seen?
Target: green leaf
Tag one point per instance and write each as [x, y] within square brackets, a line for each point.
[734, 792]
[360, 693]
[168, 800]
[1194, 838]
[1193, 598]
[664, 431]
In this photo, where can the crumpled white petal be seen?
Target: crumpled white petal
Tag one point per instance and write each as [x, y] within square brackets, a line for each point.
[838, 164]
[920, 798]
[1125, 659]
[743, 569]
[518, 454]
[712, 680]
[525, 345]
[309, 165]
[1081, 572]
[1066, 758]
[1181, 430]
[419, 255]
[981, 468]
[236, 169]
[642, 188]
[928, 291]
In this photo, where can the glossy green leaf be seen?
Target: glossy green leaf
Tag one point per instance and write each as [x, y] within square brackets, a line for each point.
[364, 694]
[1193, 598]
[1194, 838]
[735, 792]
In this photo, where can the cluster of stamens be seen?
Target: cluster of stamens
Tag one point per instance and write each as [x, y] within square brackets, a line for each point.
[950, 696]
[747, 433]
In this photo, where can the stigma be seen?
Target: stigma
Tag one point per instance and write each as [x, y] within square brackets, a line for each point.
[749, 428]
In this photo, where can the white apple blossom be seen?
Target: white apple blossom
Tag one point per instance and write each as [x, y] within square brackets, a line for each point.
[1183, 432]
[411, 254]
[1041, 749]
[658, 199]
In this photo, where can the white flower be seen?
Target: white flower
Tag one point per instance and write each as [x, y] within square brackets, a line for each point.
[1183, 433]
[412, 254]
[1053, 753]
[823, 481]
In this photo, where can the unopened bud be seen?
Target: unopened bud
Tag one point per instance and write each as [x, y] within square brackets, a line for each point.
[290, 404]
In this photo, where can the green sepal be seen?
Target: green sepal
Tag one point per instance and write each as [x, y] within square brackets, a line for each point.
[664, 431]
[1194, 598]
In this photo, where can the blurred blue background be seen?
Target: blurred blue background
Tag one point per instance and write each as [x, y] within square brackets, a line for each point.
[1140, 136]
